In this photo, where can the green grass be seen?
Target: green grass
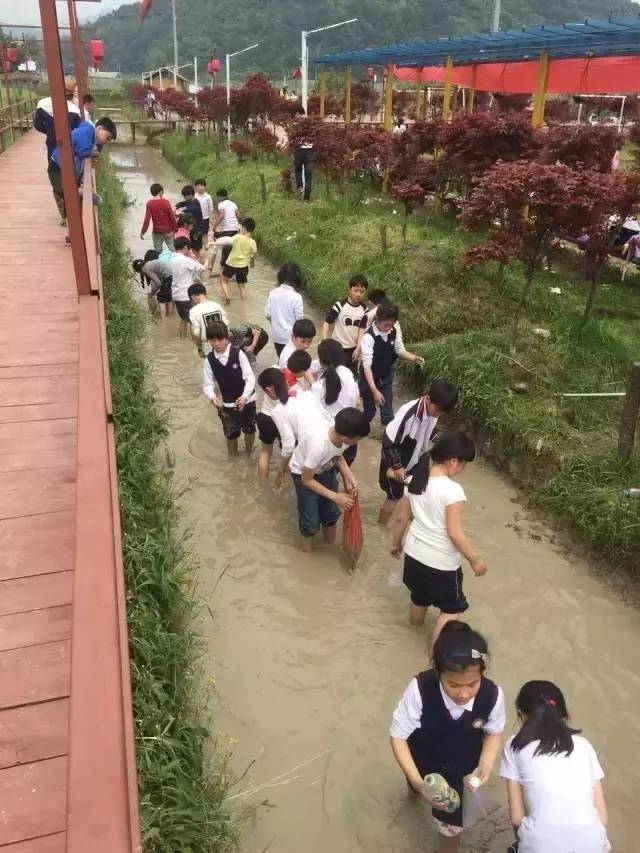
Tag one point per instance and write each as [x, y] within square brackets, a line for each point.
[182, 789]
[565, 452]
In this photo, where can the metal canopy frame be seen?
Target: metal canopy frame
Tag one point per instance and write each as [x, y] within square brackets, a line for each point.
[615, 36]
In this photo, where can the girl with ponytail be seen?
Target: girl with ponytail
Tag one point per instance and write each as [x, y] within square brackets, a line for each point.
[276, 393]
[556, 801]
[335, 388]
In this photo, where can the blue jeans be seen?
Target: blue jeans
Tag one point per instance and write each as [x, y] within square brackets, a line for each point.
[385, 386]
[315, 511]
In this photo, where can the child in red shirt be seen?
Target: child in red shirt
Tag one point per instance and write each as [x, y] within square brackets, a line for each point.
[159, 212]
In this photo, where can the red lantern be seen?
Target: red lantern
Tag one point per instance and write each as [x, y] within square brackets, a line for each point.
[215, 64]
[12, 54]
[371, 73]
[97, 51]
[296, 74]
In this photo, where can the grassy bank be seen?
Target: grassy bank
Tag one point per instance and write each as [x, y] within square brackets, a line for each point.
[181, 791]
[564, 451]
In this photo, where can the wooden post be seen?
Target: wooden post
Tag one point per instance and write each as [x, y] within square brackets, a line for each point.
[472, 91]
[629, 416]
[3, 60]
[383, 239]
[540, 94]
[347, 96]
[133, 133]
[448, 90]
[418, 110]
[387, 121]
[323, 91]
[79, 65]
[263, 188]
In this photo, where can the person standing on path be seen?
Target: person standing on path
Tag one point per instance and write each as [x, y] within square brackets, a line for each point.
[159, 213]
[284, 305]
[431, 516]
[303, 161]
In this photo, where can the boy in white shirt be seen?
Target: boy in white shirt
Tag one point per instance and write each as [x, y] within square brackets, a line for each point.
[284, 305]
[313, 468]
[229, 383]
[184, 270]
[203, 313]
[226, 222]
[206, 205]
[302, 335]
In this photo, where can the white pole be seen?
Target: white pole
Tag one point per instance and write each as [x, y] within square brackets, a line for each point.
[579, 112]
[228, 101]
[175, 45]
[159, 78]
[624, 99]
[195, 77]
[495, 23]
[304, 69]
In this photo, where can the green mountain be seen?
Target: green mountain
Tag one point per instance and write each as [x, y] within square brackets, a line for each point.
[205, 26]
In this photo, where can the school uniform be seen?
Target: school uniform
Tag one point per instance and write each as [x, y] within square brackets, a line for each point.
[206, 206]
[232, 373]
[347, 320]
[380, 351]
[283, 307]
[558, 791]
[444, 737]
[405, 440]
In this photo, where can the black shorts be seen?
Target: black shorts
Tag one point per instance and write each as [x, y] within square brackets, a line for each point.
[183, 309]
[235, 422]
[392, 488]
[241, 274]
[196, 242]
[267, 430]
[434, 587]
[206, 224]
[163, 294]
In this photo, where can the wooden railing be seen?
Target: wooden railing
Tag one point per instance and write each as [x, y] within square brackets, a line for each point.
[102, 784]
[15, 118]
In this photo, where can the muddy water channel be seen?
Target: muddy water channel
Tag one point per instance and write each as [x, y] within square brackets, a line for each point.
[308, 661]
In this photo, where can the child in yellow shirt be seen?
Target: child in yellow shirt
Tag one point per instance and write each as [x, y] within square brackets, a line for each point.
[243, 251]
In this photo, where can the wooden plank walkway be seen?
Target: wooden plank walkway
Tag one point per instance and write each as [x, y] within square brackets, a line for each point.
[46, 607]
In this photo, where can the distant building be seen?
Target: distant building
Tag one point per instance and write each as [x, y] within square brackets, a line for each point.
[162, 78]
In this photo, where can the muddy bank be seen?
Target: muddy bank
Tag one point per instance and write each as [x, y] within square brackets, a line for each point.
[309, 662]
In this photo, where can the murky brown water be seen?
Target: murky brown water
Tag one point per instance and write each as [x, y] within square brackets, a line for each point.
[308, 662]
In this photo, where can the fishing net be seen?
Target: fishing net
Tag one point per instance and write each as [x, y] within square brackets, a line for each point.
[352, 535]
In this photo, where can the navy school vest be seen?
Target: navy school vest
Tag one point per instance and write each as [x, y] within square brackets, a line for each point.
[384, 353]
[228, 376]
[447, 746]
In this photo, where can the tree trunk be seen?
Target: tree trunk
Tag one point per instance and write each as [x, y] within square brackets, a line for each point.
[383, 239]
[629, 417]
[404, 225]
[529, 272]
[591, 299]
[263, 187]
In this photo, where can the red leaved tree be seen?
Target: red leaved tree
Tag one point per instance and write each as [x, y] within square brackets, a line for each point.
[524, 206]
[364, 101]
[581, 146]
[265, 140]
[333, 105]
[410, 194]
[418, 141]
[510, 103]
[368, 153]
[241, 149]
[472, 144]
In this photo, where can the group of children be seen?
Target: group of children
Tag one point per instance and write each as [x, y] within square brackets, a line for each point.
[451, 718]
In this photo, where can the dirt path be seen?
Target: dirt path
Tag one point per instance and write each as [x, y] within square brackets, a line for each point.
[309, 662]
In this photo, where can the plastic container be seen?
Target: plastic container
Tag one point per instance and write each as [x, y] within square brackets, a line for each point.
[440, 794]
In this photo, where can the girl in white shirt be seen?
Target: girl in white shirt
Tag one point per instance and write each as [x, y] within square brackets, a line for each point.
[276, 393]
[335, 389]
[284, 305]
[432, 512]
[556, 802]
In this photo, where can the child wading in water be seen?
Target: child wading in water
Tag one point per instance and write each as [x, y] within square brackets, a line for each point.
[450, 722]
[432, 510]
[556, 802]
[227, 368]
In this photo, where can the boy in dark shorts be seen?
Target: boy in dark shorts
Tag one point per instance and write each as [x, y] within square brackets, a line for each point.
[241, 256]
[407, 437]
[184, 271]
[250, 338]
[191, 206]
[229, 383]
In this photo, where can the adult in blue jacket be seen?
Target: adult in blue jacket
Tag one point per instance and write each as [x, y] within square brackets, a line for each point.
[43, 117]
[86, 141]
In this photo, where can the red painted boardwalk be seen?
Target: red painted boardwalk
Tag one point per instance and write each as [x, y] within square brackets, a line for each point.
[67, 778]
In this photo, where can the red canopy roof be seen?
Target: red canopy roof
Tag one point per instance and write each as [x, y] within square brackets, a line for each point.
[603, 76]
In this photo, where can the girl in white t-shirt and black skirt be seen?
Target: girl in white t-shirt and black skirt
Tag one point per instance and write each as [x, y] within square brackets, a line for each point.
[432, 512]
[556, 802]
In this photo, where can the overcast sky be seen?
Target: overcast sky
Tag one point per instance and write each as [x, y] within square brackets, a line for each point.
[27, 11]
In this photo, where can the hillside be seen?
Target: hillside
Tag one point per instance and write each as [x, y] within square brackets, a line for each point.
[221, 25]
